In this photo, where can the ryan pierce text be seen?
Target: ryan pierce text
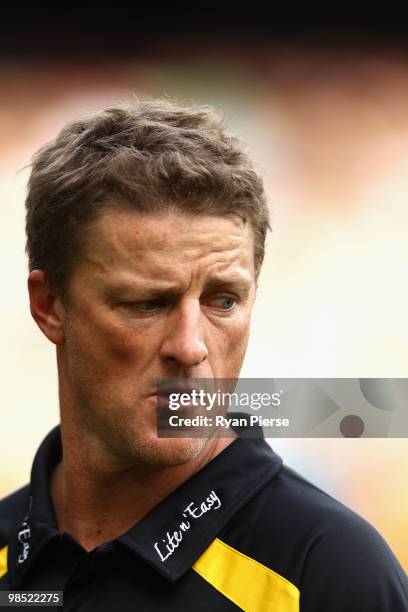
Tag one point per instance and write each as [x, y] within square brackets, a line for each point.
[222, 421]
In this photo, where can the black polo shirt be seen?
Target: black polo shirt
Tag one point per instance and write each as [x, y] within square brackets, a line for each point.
[244, 533]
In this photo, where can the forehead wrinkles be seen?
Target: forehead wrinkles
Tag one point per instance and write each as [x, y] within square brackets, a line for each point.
[167, 241]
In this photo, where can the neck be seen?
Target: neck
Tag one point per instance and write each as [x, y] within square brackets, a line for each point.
[97, 503]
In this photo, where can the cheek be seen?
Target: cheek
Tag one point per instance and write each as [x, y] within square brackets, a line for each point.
[238, 344]
[235, 338]
[121, 342]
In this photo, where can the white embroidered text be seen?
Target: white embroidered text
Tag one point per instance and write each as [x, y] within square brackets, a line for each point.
[193, 511]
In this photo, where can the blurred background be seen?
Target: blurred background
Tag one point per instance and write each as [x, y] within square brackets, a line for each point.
[323, 107]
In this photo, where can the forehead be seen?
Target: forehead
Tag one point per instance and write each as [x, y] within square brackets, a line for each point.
[122, 241]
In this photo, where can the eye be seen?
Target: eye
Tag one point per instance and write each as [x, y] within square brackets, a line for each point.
[145, 306]
[150, 304]
[224, 302]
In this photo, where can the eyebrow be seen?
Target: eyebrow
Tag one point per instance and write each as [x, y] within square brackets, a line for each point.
[217, 283]
[156, 288]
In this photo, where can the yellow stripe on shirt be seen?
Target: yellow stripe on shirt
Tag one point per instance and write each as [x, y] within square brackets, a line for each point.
[253, 587]
[3, 561]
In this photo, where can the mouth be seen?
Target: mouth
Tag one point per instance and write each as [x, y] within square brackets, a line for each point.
[165, 389]
[166, 393]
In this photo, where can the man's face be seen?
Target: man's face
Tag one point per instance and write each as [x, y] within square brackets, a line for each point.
[152, 297]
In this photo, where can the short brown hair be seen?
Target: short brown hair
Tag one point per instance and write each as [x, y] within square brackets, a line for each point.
[154, 155]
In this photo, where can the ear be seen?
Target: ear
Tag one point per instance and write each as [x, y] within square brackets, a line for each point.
[45, 307]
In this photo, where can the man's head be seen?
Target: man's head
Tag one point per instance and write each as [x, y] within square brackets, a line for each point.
[153, 157]
[145, 235]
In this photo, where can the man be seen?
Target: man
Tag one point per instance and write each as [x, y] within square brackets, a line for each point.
[145, 236]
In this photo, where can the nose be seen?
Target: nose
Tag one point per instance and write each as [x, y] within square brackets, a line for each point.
[184, 341]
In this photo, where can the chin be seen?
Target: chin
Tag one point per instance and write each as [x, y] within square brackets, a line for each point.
[137, 443]
[168, 452]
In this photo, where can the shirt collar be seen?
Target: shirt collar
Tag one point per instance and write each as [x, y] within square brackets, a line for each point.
[174, 533]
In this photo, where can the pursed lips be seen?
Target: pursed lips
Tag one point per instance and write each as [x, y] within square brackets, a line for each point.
[164, 392]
